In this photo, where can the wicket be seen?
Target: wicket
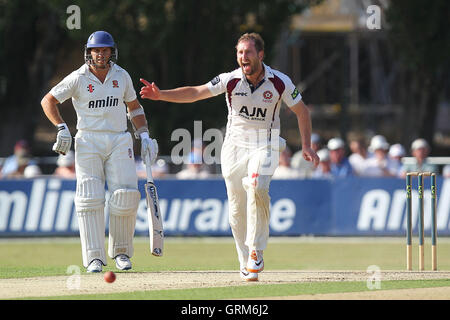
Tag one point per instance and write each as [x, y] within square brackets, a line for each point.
[420, 181]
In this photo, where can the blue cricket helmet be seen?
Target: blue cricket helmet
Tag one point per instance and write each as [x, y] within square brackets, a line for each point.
[100, 39]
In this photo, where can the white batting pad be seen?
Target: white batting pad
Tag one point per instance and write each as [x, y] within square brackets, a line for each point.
[92, 235]
[123, 205]
[89, 202]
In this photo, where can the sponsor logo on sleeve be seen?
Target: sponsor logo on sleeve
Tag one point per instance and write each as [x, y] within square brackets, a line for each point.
[215, 81]
[295, 93]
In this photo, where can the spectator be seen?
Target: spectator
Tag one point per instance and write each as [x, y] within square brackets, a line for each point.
[284, 169]
[324, 168]
[340, 166]
[32, 171]
[21, 163]
[376, 140]
[65, 166]
[420, 149]
[306, 168]
[380, 165]
[22, 154]
[194, 168]
[396, 153]
[359, 155]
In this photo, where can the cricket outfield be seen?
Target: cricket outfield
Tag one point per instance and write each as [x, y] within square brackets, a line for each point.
[207, 268]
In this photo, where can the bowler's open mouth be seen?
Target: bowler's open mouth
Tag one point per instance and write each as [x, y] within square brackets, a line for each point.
[246, 66]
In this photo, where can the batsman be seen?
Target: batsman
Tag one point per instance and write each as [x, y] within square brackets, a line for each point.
[103, 98]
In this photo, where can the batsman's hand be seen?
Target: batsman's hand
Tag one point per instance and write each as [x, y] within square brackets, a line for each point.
[150, 90]
[63, 140]
[149, 147]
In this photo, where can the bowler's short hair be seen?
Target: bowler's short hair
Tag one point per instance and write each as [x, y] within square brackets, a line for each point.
[255, 37]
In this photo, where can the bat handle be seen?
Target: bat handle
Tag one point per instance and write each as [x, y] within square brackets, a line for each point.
[148, 167]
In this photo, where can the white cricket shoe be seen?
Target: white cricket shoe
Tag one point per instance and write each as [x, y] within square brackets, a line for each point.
[123, 262]
[255, 262]
[95, 266]
[248, 276]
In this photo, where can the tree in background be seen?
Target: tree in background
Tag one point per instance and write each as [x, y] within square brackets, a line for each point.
[420, 35]
[174, 43]
[30, 38]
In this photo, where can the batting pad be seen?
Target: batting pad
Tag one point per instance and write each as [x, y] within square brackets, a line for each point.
[92, 235]
[123, 206]
[90, 203]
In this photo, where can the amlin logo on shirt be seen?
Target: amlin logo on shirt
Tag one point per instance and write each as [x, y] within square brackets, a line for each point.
[108, 102]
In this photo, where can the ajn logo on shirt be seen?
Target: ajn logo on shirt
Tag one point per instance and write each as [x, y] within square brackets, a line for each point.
[115, 83]
[108, 102]
[255, 113]
[90, 88]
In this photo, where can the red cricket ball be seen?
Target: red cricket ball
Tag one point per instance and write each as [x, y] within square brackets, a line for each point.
[110, 276]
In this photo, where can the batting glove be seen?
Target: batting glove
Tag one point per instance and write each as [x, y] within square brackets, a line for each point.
[63, 139]
[149, 147]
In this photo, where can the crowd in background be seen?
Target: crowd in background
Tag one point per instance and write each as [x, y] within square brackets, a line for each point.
[378, 158]
[21, 164]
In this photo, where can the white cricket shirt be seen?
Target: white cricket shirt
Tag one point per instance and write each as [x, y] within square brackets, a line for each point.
[99, 106]
[252, 116]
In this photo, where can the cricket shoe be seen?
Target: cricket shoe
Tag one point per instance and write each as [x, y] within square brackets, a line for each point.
[255, 262]
[248, 276]
[123, 262]
[95, 266]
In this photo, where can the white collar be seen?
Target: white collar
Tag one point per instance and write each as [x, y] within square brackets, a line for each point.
[85, 70]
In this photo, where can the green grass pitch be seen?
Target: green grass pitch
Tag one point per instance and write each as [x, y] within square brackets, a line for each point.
[51, 256]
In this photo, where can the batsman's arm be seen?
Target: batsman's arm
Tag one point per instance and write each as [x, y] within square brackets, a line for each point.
[305, 127]
[49, 105]
[178, 95]
[138, 116]
[63, 137]
[149, 147]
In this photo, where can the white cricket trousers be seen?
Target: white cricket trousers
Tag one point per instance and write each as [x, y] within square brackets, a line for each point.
[105, 157]
[247, 173]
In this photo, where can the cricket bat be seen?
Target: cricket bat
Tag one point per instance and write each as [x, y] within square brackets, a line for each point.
[155, 224]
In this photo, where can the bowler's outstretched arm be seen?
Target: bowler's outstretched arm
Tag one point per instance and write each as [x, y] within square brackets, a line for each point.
[178, 95]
